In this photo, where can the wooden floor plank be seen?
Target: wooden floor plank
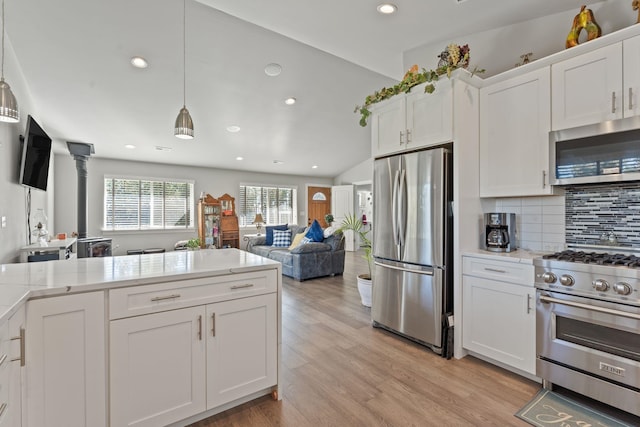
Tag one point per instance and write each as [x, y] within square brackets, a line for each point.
[338, 370]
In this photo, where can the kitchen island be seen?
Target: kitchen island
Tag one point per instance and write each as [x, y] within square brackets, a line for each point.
[144, 340]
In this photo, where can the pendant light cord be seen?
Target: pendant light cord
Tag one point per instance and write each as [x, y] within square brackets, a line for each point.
[184, 50]
[2, 72]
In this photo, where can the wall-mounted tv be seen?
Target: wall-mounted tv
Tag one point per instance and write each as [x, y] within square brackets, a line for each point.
[36, 152]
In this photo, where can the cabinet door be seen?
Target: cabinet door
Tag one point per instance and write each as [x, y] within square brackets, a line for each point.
[430, 116]
[17, 322]
[514, 136]
[631, 88]
[66, 361]
[499, 321]
[388, 127]
[242, 345]
[587, 88]
[157, 368]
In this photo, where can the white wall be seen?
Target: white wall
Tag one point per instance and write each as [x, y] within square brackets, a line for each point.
[12, 194]
[499, 49]
[213, 181]
[359, 173]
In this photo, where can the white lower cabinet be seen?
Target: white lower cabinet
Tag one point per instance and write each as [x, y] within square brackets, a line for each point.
[13, 364]
[157, 368]
[171, 365]
[241, 348]
[499, 316]
[66, 361]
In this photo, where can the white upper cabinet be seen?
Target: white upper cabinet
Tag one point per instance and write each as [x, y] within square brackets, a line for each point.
[597, 86]
[414, 120]
[514, 136]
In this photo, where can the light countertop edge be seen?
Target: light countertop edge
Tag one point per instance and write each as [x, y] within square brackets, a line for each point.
[520, 256]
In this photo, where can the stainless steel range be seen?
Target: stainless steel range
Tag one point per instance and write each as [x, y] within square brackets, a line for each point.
[588, 324]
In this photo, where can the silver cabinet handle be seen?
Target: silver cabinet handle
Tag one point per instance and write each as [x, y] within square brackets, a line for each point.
[408, 136]
[21, 359]
[544, 179]
[401, 135]
[547, 299]
[528, 303]
[246, 285]
[613, 102]
[630, 97]
[2, 359]
[495, 270]
[213, 324]
[172, 296]
[3, 407]
[200, 328]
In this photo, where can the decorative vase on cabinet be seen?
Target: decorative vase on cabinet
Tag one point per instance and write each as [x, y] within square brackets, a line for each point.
[209, 214]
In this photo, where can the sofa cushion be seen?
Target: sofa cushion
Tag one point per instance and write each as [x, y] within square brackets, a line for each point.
[281, 238]
[269, 236]
[315, 232]
[335, 241]
[311, 247]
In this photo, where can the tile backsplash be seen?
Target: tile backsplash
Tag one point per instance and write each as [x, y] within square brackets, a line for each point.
[540, 221]
[595, 209]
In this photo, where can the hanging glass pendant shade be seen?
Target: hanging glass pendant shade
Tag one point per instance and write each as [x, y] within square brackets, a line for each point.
[184, 124]
[9, 111]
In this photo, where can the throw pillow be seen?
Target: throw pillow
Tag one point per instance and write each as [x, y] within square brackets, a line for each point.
[315, 232]
[269, 233]
[329, 231]
[305, 240]
[281, 238]
[296, 240]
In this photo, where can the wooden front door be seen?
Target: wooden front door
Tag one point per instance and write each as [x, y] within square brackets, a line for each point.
[318, 204]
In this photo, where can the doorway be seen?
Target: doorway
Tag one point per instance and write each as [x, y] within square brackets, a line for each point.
[318, 204]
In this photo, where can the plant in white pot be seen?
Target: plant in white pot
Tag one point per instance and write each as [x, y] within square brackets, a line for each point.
[355, 224]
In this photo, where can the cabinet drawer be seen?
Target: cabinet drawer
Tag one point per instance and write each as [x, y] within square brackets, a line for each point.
[498, 270]
[5, 362]
[144, 299]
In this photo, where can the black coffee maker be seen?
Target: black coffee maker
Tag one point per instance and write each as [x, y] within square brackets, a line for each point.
[500, 232]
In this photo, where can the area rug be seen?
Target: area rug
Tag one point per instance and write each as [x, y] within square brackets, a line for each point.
[551, 409]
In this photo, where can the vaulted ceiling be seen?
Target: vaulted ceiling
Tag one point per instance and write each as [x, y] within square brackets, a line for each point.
[75, 56]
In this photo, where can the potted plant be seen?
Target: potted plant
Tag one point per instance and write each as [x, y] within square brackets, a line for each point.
[353, 223]
[328, 218]
[193, 244]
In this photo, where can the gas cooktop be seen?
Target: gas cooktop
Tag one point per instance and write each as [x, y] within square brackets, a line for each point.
[605, 258]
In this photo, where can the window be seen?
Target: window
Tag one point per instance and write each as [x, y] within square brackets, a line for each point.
[278, 205]
[147, 204]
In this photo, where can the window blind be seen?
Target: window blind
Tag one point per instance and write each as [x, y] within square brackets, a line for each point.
[278, 205]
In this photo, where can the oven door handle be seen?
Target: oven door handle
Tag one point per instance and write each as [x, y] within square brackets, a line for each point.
[548, 299]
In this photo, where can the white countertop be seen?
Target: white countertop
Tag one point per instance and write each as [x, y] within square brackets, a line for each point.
[19, 282]
[520, 255]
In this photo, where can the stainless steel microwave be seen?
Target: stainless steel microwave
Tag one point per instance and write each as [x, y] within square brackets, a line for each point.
[604, 152]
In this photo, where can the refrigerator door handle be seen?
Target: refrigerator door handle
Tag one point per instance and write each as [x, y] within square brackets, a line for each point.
[428, 272]
[394, 207]
[402, 209]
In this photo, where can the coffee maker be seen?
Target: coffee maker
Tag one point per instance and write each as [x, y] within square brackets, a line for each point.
[500, 232]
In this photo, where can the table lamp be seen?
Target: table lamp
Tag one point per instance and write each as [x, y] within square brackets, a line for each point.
[258, 221]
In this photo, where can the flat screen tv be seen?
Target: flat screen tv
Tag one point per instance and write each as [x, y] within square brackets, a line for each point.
[36, 152]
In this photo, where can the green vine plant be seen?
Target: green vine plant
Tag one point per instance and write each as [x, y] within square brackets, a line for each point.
[452, 58]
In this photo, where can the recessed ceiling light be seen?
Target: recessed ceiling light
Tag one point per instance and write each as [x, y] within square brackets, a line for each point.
[161, 148]
[139, 62]
[290, 101]
[273, 69]
[233, 128]
[278, 162]
[314, 167]
[387, 8]
[239, 158]
[130, 146]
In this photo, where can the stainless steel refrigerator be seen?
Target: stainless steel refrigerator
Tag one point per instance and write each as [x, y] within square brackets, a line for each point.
[412, 246]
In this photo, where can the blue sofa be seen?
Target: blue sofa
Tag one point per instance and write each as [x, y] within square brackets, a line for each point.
[307, 261]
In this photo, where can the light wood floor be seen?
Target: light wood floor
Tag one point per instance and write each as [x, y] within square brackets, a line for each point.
[340, 371]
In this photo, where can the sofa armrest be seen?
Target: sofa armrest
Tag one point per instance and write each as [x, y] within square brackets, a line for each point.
[256, 241]
[311, 247]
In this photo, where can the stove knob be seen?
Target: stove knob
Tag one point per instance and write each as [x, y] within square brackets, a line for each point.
[548, 277]
[600, 285]
[566, 280]
[622, 288]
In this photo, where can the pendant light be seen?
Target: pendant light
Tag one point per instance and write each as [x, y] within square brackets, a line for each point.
[184, 124]
[8, 105]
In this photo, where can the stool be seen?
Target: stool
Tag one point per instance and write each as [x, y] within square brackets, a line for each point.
[134, 252]
[153, 251]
